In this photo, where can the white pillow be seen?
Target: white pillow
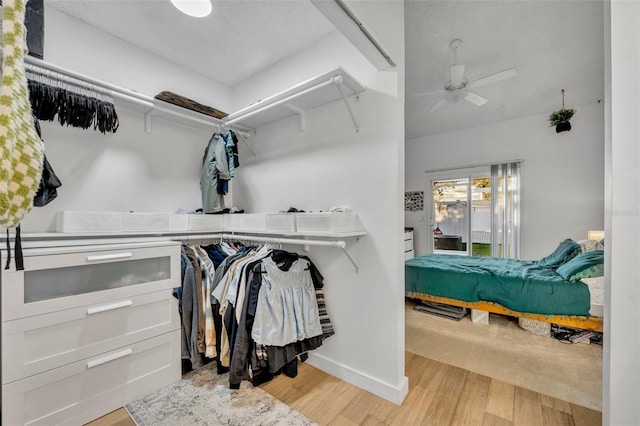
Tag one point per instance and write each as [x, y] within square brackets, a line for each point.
[590, 245]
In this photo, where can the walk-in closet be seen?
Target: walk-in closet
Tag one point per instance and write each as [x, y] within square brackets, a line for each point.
[316, 115]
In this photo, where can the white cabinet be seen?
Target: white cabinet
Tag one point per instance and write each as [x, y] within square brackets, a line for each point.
[87, 329]
[409, 252]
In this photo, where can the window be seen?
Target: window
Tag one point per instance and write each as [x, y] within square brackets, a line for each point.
[475, 211]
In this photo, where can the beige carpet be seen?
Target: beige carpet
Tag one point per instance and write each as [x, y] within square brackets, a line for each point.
[504, 351]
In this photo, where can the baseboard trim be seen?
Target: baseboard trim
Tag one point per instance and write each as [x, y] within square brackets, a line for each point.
[395, 394]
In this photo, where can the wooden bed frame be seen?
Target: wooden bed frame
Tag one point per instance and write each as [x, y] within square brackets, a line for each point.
[575, 321]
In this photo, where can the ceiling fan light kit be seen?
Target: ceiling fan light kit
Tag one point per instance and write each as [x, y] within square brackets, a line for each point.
[560, 117]
[456, 88]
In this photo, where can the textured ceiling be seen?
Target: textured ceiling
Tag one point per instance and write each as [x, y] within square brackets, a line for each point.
[553, 44]
[239, 39]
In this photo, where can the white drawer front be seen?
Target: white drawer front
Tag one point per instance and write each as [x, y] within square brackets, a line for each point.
[408, 235]
[56, 282]
[409, 255]
[82, 391]
[408, 245]
[40, 343]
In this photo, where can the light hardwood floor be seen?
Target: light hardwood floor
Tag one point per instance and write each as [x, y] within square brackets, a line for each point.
[439, 394]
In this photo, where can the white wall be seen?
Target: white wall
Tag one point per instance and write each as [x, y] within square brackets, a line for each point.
[562, 173]
[621, 379]
[72, 44]
[329, 164]
[131, 169]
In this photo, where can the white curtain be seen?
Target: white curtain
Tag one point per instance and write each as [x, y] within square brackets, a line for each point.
[505, 208]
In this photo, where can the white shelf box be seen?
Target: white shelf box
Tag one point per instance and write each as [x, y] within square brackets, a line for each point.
[206, 222]
[141, 222]
[233, 222]
[281, 222]
[326, 222]
[178, 222]
[253, 221]
[77, 222]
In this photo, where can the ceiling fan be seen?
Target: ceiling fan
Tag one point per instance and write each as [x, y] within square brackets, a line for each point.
[456, 89]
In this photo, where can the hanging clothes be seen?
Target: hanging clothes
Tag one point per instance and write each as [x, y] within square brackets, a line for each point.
[215, 175]
[231, 146]
[197, 272]
[49, 182]
[259, 363]
[257, 313]
[208, 272]
[287, 311]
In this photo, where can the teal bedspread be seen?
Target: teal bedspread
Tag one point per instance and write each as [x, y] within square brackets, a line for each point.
[520, 285]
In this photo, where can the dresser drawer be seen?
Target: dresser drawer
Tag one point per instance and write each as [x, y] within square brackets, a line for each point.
[408, 245]
[40, 343]
[410, 254]
[85, 390]
[408, 235]
[87, 275]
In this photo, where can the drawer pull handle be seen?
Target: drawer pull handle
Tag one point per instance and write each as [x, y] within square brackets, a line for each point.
[109, 307]
[110, 357]
[109, 257]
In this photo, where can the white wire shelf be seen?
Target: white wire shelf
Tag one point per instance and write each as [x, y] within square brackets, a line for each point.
[321, 90]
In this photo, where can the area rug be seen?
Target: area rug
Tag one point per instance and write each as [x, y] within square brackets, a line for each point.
[203, 398]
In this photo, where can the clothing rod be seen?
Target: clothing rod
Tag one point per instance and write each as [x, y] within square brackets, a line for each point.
[185, 115]
[332, 80]
[216, 236]
[38, 66]
[339, 243]
[34, 72]
[243, 133]
[130, 94]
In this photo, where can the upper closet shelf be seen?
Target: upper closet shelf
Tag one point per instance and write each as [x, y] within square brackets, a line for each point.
[151, 107]
[325, 88]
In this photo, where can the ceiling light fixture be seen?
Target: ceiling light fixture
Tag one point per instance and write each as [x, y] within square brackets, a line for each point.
[195, 8]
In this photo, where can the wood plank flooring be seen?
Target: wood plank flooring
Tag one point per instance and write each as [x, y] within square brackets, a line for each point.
[439, 394]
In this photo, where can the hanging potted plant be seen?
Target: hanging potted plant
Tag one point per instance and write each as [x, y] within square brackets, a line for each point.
[560, 118]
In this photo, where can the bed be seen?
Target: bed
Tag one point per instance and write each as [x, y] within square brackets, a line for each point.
[552, 289]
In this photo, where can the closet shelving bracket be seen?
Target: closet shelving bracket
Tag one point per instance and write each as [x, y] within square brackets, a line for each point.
[339, 82]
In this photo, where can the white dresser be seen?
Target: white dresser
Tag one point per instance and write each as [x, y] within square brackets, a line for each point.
[409, 252]
[87, 329]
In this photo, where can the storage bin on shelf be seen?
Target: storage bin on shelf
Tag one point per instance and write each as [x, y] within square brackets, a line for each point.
[326, 222]
[232, 222]
[253, 221]
[72, 222]
[142, 221]
[178, 222]
[206, 222]
[281, 222]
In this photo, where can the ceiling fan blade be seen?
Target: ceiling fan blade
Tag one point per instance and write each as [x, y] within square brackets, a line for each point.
[457, 75]
[475, 99]
[437, 105]
[432, 92]
[494, 78]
